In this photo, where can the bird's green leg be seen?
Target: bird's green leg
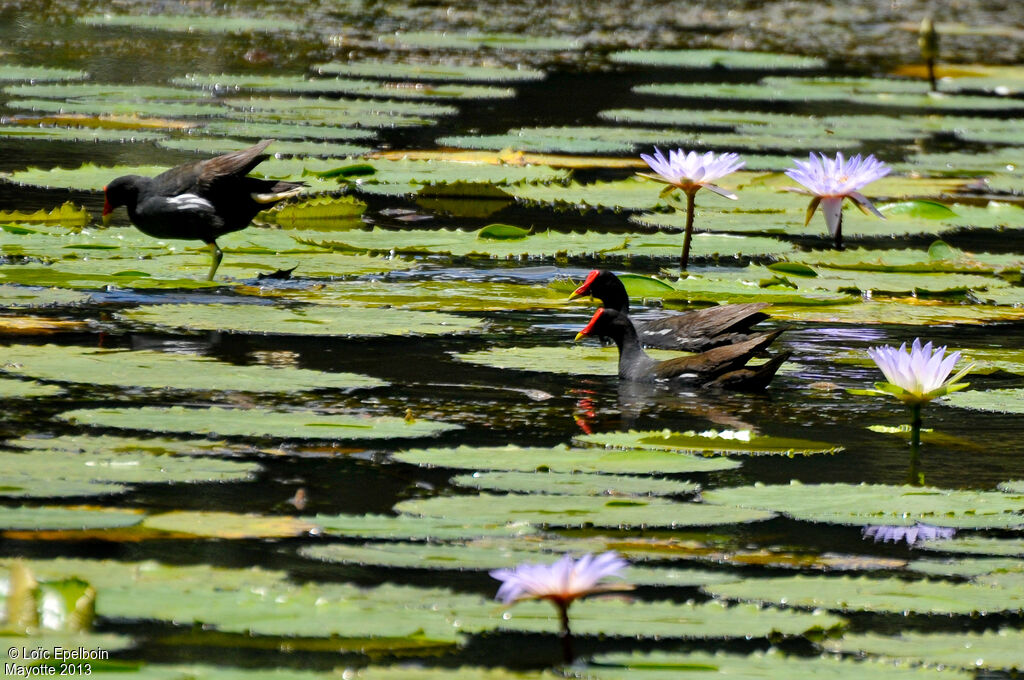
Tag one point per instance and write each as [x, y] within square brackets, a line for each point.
[217, 256]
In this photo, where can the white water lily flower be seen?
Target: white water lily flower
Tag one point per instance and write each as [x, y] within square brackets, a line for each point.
[917, 376]
[919, 533]
[830, 181]
[690, 171]
[561, 582]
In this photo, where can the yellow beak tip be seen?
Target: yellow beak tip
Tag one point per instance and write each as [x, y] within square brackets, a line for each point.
[579, 336]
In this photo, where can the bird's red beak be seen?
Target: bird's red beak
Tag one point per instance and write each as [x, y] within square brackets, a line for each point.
[107, 208]
[584, 289]
[589, 328]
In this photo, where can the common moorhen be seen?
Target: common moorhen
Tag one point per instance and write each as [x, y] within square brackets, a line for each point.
[723, 366]
[202, 200]
[694, 331]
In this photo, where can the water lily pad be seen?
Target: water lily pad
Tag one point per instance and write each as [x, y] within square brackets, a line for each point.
[105, 445]
[574, 483]
[48, 473]
[205, 23]
[88, 176]
[437, 295]
[730, 442]
[26, 389]
[341, 112]
[158, 370]
[352, 86]
[455, 40]
[716, 59]
[104, 91]
[407, 528]
[116, 107]
[866, 504]
[579, 511]
[315, 320]
[78, 134]
[757, 666]
[907, 311]
[228, 525]
[991, 649]
[47, 518]
[998, 401]
[322, 212]
[21, 296]
[67, 214]
[862, 593]
[15, 72]
[578, 140]
[563, 459]
[254, 422]
[660, 620]
[216, 145]
[431, 71]
[569, 359]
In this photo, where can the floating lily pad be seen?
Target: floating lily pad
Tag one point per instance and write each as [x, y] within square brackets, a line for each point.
[14, 72]
[88, 176]
[51, 473]
[455, 40]
[908, 311]
[216, 145]
[998, 401]
[78, 134]
[254, 422]
[205, 23]
[105, 445]
[228, 525]
[407, 528]
[21, 296]
[661, 620]
[866, 504]
[580, 140]
[263, 130]
[47, 518]
[579, 511]
[158, 370]
[26, 389]
[991, 649]
[322, 212]
[67, 214]
[343, 112]
[104, 91]
[730, 442]
[574, 483]
[563, 459]
[428, 71]
[716, 59]
[114, 107]
[353, 86]
[757, 666]
[313, 320]
[862, 593]
[569, 359]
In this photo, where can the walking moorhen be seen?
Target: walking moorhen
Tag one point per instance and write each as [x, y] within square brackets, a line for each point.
[723, 366]
[202, 200]
[694, 331]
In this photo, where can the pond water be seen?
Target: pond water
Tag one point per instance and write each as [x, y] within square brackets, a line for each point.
[304, 477]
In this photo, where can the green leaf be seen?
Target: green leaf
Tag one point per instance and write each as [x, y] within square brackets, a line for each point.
[502, 232]
[64, 519]
[255, 422]
[15, 72]
[578, 511]
[563, 459]
[349, 321]
[354, 86]
[997, 401]
[716, 59]
[164, 370]
[926, 210]
[574, 483]
[708, 442]
[866, 504]
[22, 389]
[205, 23]
[892, 595]
[429, 71]
[990, 649]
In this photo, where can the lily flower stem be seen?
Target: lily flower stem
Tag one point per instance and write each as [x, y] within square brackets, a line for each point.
[684, 259]
[839, 232]
[566, 635]
[930, 63]
[916, 477]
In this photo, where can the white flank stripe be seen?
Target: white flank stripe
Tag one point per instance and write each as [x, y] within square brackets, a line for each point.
[190, 202]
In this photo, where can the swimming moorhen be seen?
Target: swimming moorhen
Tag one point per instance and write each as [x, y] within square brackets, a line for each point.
[202, 200]
[694, 331]
[723, 366]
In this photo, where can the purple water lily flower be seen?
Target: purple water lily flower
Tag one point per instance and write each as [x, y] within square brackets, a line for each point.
[561, 583]
[689, 173]
[919, 533]
[830, 181]
[918, 375]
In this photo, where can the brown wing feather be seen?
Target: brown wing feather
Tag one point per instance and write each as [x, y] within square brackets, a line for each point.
[237, 164]
[717, 361]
